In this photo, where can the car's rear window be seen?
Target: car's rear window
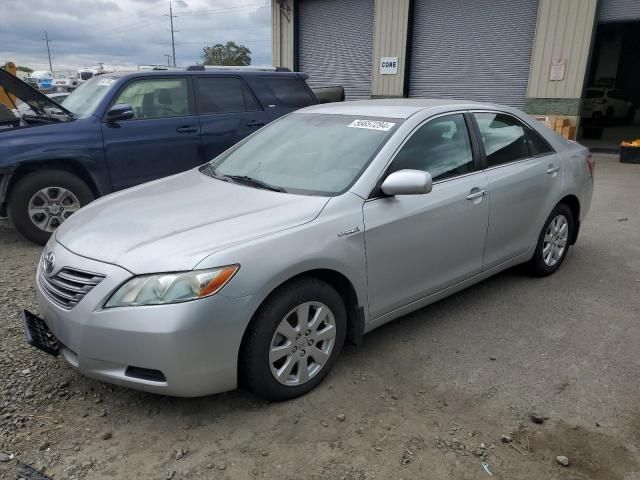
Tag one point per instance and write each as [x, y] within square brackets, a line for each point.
[593, 94]
[289, 91]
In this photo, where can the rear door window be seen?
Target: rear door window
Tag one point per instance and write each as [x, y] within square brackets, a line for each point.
[224, 95]
[503, 138]
[537, 145]
[289, 91]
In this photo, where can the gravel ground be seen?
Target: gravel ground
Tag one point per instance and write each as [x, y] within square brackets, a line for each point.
[428, 396]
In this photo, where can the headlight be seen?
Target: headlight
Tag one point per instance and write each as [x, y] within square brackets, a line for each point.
[163, 288]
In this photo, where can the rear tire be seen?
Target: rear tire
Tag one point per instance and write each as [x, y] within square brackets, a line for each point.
[609, 117]
[282, 356]
[39, 202]
[553, 242]
[631, 115]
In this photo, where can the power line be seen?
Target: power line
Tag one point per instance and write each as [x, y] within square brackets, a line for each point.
[237, 9]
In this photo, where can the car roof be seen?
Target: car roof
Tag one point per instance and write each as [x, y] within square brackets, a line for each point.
[396, 107]
[174, 73]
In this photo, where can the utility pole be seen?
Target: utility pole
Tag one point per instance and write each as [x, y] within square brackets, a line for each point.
[46, 38]
[168, 59]
[173, 43]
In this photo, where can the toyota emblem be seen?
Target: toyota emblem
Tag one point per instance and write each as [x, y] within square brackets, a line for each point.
[49, 262]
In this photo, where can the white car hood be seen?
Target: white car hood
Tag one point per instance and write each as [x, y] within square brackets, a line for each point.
[174, 223]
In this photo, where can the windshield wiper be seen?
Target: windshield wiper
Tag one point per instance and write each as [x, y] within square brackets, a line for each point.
[254, 182]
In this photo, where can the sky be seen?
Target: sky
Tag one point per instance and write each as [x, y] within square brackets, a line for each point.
[123, 34]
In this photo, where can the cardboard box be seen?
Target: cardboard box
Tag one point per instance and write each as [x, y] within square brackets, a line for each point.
[569, 132]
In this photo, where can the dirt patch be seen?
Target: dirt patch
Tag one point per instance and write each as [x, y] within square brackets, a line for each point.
[592, 455]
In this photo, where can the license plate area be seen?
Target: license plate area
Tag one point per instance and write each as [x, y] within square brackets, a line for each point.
[38, 334]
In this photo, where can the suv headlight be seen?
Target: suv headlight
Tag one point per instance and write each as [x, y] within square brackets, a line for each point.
[163, 288]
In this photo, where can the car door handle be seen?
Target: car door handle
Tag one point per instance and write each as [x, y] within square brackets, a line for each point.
[476, 194]
[552, 169]
[187, 129]
[255, 123]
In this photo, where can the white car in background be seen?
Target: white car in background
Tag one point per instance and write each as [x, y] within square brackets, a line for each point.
[609, 104]
[63, 82]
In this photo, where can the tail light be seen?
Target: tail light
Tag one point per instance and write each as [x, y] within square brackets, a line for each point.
[591, 163]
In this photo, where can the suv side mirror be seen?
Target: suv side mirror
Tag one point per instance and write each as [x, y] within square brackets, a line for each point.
[407, 182]
[120, 111]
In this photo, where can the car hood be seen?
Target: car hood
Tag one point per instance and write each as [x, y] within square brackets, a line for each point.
[174, 223]
[38, 101]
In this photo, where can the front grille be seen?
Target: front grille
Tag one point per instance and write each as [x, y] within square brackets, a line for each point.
[67, 287]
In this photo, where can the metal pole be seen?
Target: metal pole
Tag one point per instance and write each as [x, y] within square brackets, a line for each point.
[168, 59]
[46, 37]
[173, 44]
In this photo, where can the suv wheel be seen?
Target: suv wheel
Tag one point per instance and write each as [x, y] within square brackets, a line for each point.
[41, 201]
[294, 340]
[553, 242]
[631, 115]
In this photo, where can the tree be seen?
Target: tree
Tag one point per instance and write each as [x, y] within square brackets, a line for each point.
[24, 69]
[228, 54]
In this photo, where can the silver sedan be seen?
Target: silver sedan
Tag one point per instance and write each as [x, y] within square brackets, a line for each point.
[324, 225]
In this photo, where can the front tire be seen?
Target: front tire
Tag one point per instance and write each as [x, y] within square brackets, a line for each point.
[39, 202]
[293, 340]
[553, 242]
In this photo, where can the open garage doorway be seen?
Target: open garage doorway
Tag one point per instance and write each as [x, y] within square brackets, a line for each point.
[610, 110]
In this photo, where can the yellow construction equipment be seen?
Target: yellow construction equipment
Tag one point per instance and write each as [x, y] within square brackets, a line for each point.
[8, 100]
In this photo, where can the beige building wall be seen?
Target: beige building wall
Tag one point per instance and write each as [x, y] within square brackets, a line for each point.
[389, 40]
[564, 31]
[282, 37]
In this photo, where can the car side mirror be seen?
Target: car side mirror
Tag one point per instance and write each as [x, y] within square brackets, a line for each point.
[120, 111]
[407, 182]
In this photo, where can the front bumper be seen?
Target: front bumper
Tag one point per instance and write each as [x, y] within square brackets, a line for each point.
[193, 345]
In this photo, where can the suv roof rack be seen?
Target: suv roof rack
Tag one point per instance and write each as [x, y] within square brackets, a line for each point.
[256, 68]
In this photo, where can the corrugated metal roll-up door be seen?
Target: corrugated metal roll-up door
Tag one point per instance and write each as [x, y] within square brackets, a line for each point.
[335, 40]
[470, 49]
[619, 10]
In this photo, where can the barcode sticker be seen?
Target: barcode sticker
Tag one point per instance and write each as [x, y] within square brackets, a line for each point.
[372, 125]
[106, 81]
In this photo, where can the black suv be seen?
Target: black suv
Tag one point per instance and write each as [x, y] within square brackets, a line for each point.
[121, 129]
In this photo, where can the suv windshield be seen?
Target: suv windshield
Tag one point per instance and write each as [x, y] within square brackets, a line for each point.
[594, 93]
[306, 153]
[84, 99]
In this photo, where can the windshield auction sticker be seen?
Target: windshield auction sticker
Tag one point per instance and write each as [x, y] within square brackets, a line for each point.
[372, 125]
[106, 81]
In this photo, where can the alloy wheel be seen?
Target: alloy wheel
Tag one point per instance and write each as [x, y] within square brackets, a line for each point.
[302, 343]
[51, 206]
[555, 240]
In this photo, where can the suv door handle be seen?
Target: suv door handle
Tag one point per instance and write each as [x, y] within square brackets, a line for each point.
[187, 129]
[475, 193]
[255, 123]
[552, 169]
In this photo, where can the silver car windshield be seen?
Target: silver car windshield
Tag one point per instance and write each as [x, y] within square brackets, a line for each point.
[306, 153]
[84, 99]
